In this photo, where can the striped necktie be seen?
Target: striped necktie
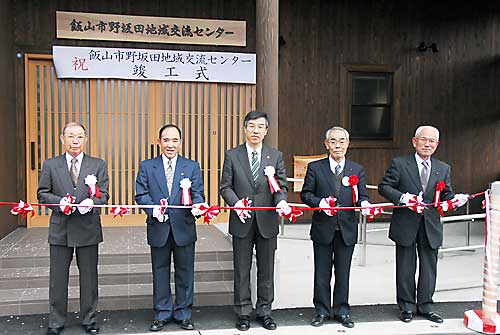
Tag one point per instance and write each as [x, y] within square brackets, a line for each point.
[170, 176]
[255, 165]
[73, 172]
[337, 170]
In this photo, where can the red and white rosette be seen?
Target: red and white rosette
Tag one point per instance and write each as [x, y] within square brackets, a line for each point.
[120, 211]
[352, 181]
[269, 171]
[294, 214]
[439, 188]
[209, 212]
[91, 182]
[22, 208]
[186, 193]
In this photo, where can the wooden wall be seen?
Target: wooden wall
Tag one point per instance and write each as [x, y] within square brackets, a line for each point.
[8, 140]
[456, 89]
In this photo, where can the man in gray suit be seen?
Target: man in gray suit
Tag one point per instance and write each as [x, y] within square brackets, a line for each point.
[73, 178]
[243, 183]
[417, 228]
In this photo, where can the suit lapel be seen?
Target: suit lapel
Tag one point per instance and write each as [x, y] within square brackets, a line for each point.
[412, 169]
[434, 176]
[245, 164]
[85, 170]
[325, 168]
[178, 175]
[348, 171]
[63, 173]
[159, 173]
[265, 160]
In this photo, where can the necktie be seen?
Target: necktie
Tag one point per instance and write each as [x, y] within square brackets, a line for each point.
[424, 175]
[255, 166]
[170, 176]
[337, 170]
[73, 172]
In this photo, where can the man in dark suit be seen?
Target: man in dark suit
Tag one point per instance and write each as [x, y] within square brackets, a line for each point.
[243, 179]
[408, 180]
[170, 230]
[333, 234]
[65, 180]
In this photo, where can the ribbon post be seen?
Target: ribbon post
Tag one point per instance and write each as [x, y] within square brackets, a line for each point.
[487, 320]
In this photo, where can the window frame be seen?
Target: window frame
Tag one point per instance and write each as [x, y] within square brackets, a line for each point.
[345, 101]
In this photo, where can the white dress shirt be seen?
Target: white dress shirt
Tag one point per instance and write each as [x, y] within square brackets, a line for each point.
[78, 163]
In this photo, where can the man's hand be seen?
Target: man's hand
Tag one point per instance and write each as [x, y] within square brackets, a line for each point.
[160, 211]
[65, 204]
[366, 211]
[406, 198]
[282, 208]
[243, 214]
[327, 204]
[87, 206]
[199, 209]
[461, 199]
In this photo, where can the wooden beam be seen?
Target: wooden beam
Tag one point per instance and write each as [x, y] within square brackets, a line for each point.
[267, 30]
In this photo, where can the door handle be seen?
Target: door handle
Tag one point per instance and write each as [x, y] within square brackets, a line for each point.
[32, 155]
[152, 151]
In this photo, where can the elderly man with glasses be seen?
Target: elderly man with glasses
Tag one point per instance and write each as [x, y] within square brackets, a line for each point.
[411, 180]
[330, 182]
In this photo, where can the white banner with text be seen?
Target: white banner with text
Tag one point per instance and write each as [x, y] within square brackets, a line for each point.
[149, 64]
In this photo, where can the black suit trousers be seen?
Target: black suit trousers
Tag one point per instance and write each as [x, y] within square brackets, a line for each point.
[406, 267]
[338, 255]
[242, 260]
[60, 260]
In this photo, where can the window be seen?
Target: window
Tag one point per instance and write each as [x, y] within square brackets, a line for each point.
[370, 105]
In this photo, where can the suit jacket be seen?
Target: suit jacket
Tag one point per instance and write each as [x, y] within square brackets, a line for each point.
[237, 183]
[74, 230]
[318, 184]
[403, 176]
[151, 187]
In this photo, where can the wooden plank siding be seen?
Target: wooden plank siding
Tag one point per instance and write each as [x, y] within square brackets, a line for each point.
[455, 89]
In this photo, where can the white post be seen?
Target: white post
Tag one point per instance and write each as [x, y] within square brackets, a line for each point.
[487, 320]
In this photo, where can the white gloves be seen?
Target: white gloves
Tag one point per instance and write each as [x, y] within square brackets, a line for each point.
[65, 203]
[199, 209]
[406, 197]
[243, 214]
[461, 199]
[366, 211]
[413, 201]
[328, 203]
[160, 211]
[87, 206]
[282, 208]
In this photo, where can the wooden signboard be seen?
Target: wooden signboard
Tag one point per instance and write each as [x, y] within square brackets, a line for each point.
[150, 29]
[300, 168]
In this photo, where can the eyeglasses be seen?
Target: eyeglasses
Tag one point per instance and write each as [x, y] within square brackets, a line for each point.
[424, 140]
[340, 141]
[73, 137]
[253, 126]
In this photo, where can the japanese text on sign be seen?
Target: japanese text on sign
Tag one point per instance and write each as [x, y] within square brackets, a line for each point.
[148, 64]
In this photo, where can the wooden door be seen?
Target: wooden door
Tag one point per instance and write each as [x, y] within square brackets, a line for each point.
[122, 118]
